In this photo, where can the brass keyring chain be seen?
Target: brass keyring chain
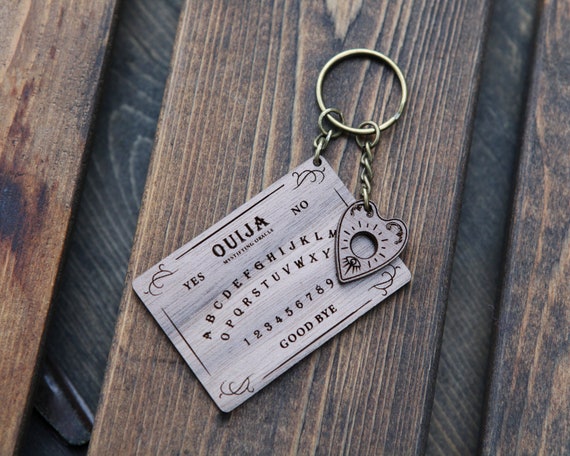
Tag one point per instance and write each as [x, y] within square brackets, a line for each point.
[350, 266]
[366, 158]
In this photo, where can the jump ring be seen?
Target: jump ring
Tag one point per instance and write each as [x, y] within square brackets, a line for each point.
[317, 156]
[375, 129]
[322, 140]
[368, 53]
[320, 144]
[327, 113]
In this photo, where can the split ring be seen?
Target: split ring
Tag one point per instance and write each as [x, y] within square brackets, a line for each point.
[326, 113]
[356, 53]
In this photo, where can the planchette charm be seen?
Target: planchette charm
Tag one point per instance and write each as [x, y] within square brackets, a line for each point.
[366, 242]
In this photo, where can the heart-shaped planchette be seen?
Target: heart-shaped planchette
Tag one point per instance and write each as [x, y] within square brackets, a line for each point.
[365, 242]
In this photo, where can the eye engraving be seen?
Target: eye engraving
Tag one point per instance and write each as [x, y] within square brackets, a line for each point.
[351, 264]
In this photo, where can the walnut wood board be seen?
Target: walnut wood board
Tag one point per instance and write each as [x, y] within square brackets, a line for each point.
[260, 290]
[529, 397]
[51, 57]
[252, 70]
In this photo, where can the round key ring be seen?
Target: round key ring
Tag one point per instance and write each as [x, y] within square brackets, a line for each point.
[359, 53]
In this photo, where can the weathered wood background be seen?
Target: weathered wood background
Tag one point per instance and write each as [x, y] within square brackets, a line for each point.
[51, 57]
[92, 280]
[477, 264]
[528, 404]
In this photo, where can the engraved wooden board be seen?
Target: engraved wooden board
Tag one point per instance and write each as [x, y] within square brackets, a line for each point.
[258, 291]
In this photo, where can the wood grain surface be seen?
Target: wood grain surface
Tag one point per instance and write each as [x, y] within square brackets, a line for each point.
[51, 56]
[85, 309]
[529, 396]
[485, 212]
[238, 113]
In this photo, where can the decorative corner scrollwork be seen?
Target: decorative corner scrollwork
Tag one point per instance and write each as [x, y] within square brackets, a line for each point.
[155, 283]
[314, 175]
[388, 281]
[230, 388]
[399, 231]
[358, 206]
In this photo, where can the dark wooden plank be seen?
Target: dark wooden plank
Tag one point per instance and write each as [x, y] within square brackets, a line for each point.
[479, 254]
[51, 56]
[84, 311]
[529, 396]
[252, 70]
[86, 307]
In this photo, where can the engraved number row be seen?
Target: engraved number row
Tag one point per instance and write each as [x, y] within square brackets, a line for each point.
[289, 312]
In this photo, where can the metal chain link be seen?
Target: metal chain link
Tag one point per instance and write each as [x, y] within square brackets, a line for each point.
[320, 144]
[366, 173]
[322, 140]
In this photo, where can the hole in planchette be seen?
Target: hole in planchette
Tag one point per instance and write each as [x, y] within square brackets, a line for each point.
[363, 245]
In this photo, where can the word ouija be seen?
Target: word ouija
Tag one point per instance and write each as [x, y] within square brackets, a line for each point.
[241, 235]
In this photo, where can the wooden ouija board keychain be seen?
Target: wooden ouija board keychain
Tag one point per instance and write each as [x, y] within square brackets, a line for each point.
[282, 274]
